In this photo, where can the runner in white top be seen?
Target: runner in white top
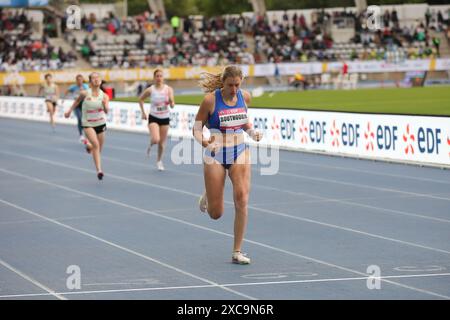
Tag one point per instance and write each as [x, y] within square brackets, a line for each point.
[50, 91]
[159, 102]
[161, 97]
[95, 105]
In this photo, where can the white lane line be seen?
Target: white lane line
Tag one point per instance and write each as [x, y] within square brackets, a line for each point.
[244, 284]
[64, 218]
[320, 198]
[357, 204]
[148, 258]
[360, 185]
[306, 163]
[372, 235]
[293, 175]
[375, 173]
[33, 281]
[273, 212]
[218, 232]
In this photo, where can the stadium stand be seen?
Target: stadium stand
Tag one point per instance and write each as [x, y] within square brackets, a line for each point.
[146, 40]
[39, 40]
[288, 36]
[21, 49]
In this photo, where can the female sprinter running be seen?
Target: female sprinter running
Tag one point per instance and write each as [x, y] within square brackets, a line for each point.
[161, 96]
[51, 95]
[224, 110]
[95, 104]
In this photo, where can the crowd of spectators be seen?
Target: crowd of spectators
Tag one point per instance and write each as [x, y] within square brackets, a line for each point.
[141, 41]
[243, 39]
[22, 50]
[145, 41]
[410, 41]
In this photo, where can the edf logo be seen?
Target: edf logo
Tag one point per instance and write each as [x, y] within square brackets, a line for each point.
[317, 131]
[110, 116]
[350, 134]
[288, 129]
[138, 117]
[174, 119]
[260, 124]
[22, 108]
[41, 110]
[387, 137]
[190, 120]
[428, 140]
[31, 109]
[123, 116]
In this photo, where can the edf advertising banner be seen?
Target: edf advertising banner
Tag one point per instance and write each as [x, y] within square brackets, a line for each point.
[419, 139]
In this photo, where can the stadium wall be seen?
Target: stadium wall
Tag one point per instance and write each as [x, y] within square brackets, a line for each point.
[259, 70]
[407, 139]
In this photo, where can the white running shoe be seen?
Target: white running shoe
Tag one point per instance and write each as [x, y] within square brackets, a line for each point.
[82, 139]
[240, 258]
[160, 166]
[203, 203]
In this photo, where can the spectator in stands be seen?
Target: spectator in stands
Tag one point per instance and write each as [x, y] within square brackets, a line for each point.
[175, 22]
[420, 33]
[436, 43]
[85, 51]
[427, 17]
[141, 41]
[277, 75]
[344, 68]
[448, 34]
[187, 25]
[49, 26]
[394, 18]
[386, 18]
[298, 80]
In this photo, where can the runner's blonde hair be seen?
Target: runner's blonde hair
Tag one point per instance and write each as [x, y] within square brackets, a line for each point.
[212, 81]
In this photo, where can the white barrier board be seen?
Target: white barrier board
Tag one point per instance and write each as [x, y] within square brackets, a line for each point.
[418, 139]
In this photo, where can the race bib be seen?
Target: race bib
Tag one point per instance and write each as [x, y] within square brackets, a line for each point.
[232, 119]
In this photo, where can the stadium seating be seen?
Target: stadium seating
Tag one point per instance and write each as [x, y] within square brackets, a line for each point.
[23, 50]
[281, 36]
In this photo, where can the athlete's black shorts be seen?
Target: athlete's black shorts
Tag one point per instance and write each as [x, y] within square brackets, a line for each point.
[161, 122]
[98, 129]
[54, 103]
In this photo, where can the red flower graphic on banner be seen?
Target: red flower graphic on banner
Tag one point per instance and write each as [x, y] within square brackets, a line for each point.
[409, 138]
[275, 129]
[334, 131]
[448, 142]
[303, 129]
[184, 121]
[369, 135]
[116, 116]
[132, 118]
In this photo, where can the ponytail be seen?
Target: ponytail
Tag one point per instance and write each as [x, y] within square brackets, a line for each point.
[212, 82]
